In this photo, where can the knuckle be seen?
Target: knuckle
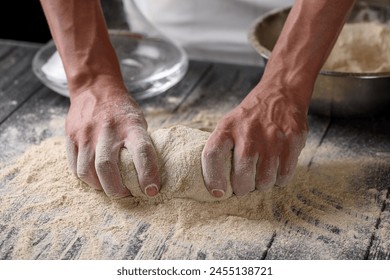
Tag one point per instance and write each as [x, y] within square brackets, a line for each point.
[103, 164]
[245, 166]
[137, 124]
[210, 152]
[109, 123]
[86, 130]
[296, 133]
[82, 138]
[71, 136]
[216, 146]
[274, 133]
[246, 151]
[294, 145]
[144, 149]
[297, 127]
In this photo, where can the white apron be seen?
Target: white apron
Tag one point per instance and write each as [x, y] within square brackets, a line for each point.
[213, 30]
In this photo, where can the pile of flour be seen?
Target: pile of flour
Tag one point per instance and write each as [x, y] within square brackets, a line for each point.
[361, 48]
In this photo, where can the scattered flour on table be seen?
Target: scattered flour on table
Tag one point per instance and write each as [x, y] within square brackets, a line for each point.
[361, 48]
[55, 212]
[47, 213]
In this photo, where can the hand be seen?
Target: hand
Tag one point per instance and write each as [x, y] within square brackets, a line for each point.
[100, 122]
[266, 133]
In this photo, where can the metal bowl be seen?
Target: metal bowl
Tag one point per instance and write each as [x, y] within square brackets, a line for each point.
[337, 94]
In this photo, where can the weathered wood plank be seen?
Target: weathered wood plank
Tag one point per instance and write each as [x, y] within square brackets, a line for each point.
[40, 117]
[173, 97]
[17, 82]
[340, 225]
[7, 243]
[224, 83]
[379, 247]
[5, 50]
[15, 62]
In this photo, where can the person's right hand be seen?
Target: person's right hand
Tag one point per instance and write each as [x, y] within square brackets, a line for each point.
[100, 122]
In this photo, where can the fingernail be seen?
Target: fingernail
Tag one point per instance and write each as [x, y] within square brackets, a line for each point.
[151, 190]
[218, 193]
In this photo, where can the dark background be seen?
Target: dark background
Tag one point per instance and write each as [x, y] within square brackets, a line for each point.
[23, 21]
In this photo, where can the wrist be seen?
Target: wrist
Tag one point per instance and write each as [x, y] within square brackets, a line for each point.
[101, 89]
[272, 89]
[85, 81]
[97, 67]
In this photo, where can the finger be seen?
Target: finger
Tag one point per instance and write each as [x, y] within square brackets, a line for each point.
[145, 160]
[289, 160]
[71, 155]
[267, 170]
[86, 167]
[244, 169]
[216, 162]
[106, 164]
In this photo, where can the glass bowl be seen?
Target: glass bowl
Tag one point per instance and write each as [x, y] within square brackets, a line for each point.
[149, 66]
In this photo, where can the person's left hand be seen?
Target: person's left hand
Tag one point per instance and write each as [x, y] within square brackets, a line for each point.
[265, 135]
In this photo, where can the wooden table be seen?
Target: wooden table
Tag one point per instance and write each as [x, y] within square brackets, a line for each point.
[25, 104]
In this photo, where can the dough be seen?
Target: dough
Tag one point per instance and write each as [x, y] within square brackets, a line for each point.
[361, 48]
[179, 150]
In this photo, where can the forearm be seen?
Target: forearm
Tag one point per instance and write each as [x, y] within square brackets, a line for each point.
[80, 34]
[305, 42]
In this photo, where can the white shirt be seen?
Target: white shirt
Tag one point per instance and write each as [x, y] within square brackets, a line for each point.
[213, 30]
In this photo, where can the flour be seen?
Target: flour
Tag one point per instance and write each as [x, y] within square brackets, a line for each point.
[51, 213]
[47, 213]
[361, 48]
[179, 150]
